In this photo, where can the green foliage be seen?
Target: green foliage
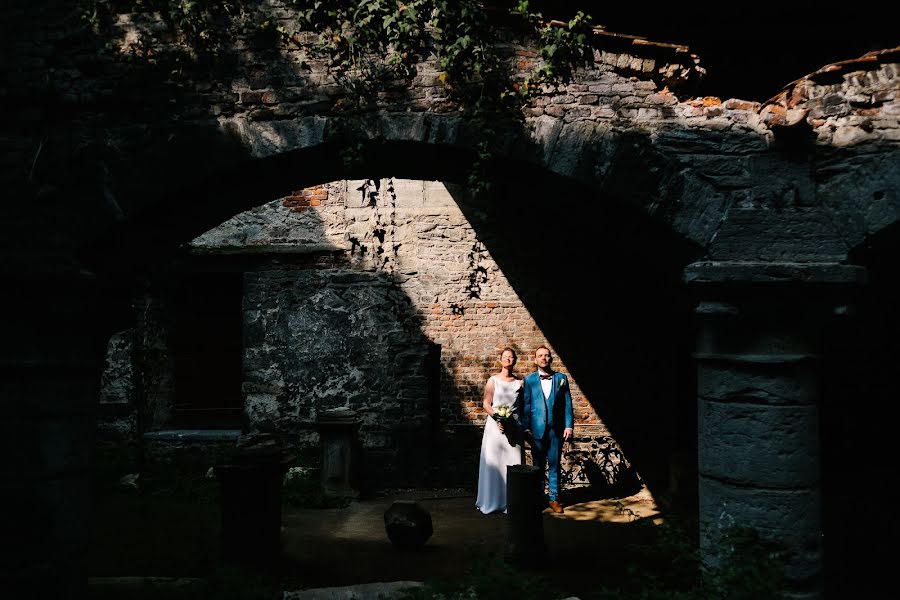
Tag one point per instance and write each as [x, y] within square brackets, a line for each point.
[182, 483]
[356, 35]
[230, 582]
[741, 566]
[747, 567]
[486, 577]
[371, 42]
[371, 46]
[206, 27]
[304, 490]
[206, 24]
[671, 568]
[348, 31]
[565, 48]
[351, 33]
[367, 42]
[113, 461]
[463, 40]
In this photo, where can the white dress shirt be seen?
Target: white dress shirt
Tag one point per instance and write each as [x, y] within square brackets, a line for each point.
[546, 385]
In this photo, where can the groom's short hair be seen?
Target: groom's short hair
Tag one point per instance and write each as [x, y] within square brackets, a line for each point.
[545, 348]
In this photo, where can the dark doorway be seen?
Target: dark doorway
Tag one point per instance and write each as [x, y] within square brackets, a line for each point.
[207, 346]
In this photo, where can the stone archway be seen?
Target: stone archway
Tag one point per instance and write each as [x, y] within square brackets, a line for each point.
[629, 254]
[776, 196]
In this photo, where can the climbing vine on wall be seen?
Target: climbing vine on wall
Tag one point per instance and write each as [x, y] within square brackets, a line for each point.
[385, 246]
[397, 34]
[371, 44]
[478, 274]
[204, 27]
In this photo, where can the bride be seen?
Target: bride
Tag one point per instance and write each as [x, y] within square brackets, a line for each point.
[497, 450]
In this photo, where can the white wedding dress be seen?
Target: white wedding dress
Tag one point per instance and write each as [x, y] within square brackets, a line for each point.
[496, 451]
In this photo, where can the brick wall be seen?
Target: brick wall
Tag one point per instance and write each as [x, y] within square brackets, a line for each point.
[411, 273]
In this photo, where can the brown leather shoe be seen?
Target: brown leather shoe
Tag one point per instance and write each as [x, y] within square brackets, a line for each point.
[555, 507]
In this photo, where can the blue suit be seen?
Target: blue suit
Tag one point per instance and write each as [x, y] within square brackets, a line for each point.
[547, 418]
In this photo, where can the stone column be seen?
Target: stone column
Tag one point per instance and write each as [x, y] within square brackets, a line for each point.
[52, 359]
[525, 545]
[251, 485]
[761, 329]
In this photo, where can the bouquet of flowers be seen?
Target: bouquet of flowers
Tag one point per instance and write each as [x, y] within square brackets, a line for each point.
[502, 414]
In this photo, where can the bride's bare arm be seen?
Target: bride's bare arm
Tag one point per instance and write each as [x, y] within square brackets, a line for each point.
[488, 399]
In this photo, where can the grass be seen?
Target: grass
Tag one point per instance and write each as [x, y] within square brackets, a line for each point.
[169, 526]
[670, 569]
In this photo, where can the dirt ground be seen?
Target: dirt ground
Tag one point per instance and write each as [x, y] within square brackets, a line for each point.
[170, 542]
[345, 546]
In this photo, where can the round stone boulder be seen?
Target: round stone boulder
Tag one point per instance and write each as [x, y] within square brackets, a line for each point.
[408, 524]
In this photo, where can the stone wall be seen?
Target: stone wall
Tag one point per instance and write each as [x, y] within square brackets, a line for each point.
[409, 283]
[272, 97]
[114, 156]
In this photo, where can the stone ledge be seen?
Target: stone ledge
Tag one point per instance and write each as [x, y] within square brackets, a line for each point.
[148, 587]
[292, 247]
[760, 358]
[193, 435]
[362, 591]
[771, 272]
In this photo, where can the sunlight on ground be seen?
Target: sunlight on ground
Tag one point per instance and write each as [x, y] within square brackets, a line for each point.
[619, 510]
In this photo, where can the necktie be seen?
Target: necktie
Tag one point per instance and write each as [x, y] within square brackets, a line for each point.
[546, 376]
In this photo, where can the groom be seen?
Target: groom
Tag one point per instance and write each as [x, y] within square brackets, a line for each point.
[547, 419]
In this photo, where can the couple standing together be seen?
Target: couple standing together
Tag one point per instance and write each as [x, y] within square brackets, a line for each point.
[542, 405]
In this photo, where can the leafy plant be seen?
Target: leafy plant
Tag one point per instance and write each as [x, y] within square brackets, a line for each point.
[304, 489]
[203, 26]
[740, 566]
[486, 577]
[371, 46]
[564, 47]
[668, 568]
[229, 582]
[182, 483]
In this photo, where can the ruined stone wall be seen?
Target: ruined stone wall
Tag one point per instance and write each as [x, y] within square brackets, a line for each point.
[745, 182]
[113, 156]
[118, 434]
[411, 283]
[122, 115]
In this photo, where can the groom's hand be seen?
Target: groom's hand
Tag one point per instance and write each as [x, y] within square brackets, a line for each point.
[567, 434]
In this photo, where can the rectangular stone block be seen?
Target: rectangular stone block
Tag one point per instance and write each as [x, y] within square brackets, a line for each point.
[752, 444]
[789, 518]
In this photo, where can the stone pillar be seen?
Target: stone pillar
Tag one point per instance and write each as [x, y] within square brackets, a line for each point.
[525, 545]
[52, 359]
[760, 333]
[251, 502]
[337, 434]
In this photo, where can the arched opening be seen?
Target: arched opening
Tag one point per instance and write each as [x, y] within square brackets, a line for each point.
[425, 282]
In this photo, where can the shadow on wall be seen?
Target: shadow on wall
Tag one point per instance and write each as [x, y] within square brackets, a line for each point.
[858, 447]
[602, 282]
[320, 327]
[327, 324]
[632, 328]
